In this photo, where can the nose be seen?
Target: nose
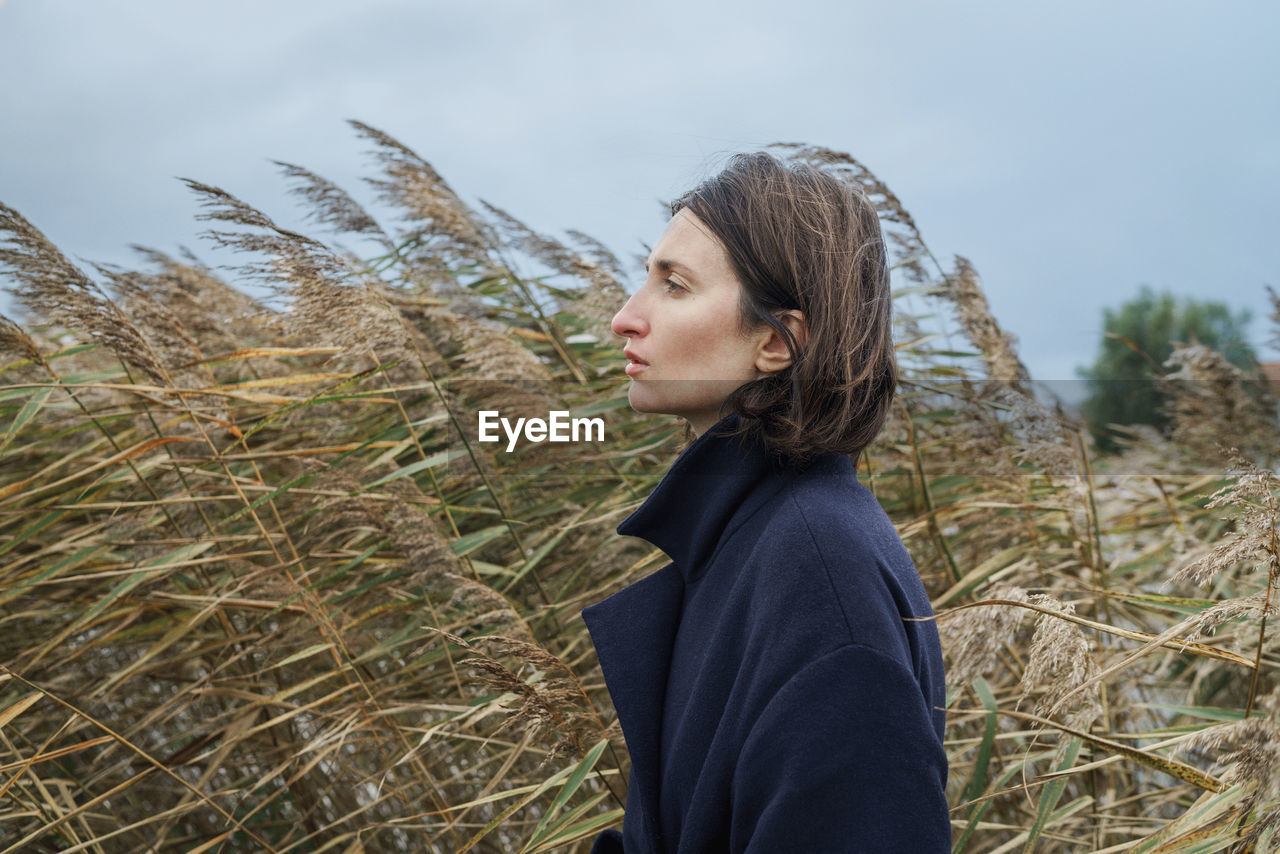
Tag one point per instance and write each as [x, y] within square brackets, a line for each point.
[629, 321]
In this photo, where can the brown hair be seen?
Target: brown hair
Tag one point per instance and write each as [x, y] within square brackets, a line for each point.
[799, 238]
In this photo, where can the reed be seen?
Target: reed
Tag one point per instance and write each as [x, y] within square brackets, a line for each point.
[262, 588]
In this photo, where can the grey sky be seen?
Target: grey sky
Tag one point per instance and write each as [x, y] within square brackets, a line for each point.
[1072, 151]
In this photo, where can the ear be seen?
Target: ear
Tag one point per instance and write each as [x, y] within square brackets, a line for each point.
[773, 355]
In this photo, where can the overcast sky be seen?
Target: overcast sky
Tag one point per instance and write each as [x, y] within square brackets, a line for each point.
[1072, 151]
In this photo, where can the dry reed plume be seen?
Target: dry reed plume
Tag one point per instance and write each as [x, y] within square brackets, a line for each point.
[263, 589]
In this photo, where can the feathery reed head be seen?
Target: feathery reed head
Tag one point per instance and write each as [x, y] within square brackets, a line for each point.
[218, 315]
[56, 290]
[331, 205]
[1252, 760]
[974, 637]
[548, 699]
[1254, 497]
[294, 256]
[973, 312]
[1211, 404]
[328, 300]
[13, 339]
[597, 266]
[413, 185]
[1059, 662]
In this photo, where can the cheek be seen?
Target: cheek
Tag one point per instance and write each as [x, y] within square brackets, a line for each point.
[720, 346]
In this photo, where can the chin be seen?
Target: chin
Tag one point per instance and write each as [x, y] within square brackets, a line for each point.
[697, 407]
[642, 401]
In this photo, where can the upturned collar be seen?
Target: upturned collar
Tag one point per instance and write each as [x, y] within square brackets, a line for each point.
[717, 478]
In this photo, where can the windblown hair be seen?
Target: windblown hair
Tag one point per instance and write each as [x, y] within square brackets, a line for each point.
[801, 239]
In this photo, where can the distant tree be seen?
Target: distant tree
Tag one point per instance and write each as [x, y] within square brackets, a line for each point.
[1137, 339]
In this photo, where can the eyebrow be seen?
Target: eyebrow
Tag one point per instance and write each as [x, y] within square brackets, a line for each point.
[668, 265]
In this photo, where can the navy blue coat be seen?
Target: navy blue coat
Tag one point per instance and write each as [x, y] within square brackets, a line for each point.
[771, 694]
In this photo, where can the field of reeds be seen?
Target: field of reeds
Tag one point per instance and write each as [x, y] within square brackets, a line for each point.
[262, 588]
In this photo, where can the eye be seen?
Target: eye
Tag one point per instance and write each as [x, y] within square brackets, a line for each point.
[671, 286]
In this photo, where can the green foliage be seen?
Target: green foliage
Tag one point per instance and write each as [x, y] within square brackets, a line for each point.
[1138, 338]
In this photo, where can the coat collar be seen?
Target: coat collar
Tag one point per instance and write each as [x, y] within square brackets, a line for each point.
[634, 630]
[714, 479]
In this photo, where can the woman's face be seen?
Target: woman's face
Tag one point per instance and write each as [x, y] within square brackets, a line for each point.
[685, 353]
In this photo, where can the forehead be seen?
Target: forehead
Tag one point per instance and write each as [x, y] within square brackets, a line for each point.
[688, 243]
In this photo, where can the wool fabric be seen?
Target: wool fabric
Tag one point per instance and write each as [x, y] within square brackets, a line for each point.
[776, 686]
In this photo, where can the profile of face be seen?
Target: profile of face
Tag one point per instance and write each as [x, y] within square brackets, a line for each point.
[685, 349]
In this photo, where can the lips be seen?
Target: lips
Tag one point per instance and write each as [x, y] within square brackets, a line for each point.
[634, 363]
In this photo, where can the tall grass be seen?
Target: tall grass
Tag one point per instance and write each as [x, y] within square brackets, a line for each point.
[263, 589]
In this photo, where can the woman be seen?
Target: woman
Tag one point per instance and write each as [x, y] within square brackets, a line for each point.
[774, 690]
